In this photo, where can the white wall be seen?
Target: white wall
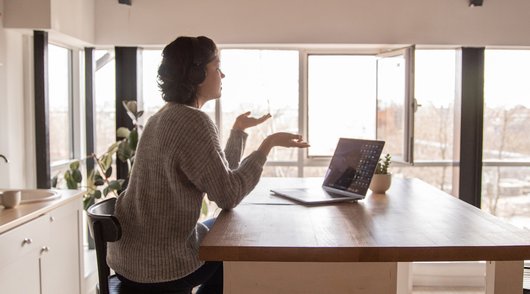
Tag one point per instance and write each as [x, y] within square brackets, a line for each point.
[497, 22]
[13, 123]
[71, 20]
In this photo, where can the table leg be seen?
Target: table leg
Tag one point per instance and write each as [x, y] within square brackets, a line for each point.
[404, 278]
[310, 277]
[504, 277]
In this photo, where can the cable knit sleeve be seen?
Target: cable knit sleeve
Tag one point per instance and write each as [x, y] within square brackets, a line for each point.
[235, 146]
[202, 160]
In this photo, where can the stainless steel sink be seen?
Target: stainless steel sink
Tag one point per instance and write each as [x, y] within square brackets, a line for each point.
[36, 195]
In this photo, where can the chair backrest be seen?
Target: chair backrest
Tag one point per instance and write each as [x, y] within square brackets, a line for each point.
[104, 227]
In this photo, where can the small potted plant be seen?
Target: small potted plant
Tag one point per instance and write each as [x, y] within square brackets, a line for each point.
[382, 178]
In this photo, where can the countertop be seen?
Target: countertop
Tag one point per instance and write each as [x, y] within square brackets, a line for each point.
[13, 217]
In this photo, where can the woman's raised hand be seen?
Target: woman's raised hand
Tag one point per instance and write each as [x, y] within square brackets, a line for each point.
[282, 139]
[245, 121]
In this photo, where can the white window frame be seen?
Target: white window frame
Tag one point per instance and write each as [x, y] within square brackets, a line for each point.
[76, 107]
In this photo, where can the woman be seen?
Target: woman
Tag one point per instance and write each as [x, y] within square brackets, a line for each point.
[178, 161]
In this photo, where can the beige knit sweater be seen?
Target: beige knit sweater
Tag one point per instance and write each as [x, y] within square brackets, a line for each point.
[178, 160]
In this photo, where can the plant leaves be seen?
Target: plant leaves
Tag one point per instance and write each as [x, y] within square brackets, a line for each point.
[122, 132]
[74, 165]
[97, 194]
[98, 180]
[124, 151]
[133, 139]
[115, 185]
[77, 176]
[108, 172]
[55, 179]
[88, 201]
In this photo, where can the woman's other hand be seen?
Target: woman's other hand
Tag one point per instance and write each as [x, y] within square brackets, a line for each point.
[282, 139]
[245, 121]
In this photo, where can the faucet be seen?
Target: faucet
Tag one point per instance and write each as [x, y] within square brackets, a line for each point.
[5, 159]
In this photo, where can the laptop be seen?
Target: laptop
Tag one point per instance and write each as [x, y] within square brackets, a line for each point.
[348, 176]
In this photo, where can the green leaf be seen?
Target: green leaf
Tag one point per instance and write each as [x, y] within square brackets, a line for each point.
[124, 152]
[106, 191]
[112, 148]
[88, 201]
[115, 185]
[77, 176]
[122, 132]
[97, 194]
[106, 161]
[108, 172]
[74, 165]
[70, 182]
[133, 139]
[55, 179]
[98, 180]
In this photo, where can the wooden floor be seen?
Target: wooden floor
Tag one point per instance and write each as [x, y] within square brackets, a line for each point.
[444, 290]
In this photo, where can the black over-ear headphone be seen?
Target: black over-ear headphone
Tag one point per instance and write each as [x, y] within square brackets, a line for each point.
[196, 73]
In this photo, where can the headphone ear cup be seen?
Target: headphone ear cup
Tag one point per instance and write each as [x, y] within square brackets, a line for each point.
[196, 74]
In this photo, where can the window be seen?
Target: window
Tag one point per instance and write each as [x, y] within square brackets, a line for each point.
[506, 154]
[152, 99]
[261, 81]
[105, 100]
[395, 98]
[341, 100]
[434, 129]
[60, 104]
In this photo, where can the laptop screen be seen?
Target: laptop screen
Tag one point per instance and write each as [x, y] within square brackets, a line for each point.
[353, 164]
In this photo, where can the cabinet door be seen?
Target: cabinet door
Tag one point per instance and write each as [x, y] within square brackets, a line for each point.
[22, 276]
[19, 257]
[61, 257]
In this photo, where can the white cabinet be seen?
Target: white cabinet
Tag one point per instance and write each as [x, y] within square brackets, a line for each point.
[44, 255]
[60, 257]
[19, 257]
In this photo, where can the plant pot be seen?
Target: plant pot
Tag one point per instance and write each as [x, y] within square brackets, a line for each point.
[380, 183]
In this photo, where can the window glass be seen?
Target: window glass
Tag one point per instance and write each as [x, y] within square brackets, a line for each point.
[341, 100]
[391, 105]
[435, 80]
[435, 92]
[105, 104]
[152, 98]
[261, 81]
[60, 99]
[505, 190]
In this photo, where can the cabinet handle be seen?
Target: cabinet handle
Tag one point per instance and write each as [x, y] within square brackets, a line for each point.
[44, 249]
[52, 219]
[27, 241]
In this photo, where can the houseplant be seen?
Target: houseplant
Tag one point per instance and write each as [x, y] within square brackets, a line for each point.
[382, 177]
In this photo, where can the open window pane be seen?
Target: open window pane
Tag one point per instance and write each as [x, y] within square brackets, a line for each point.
[261, 81]
[60, 95]
[341, 100]
[395, 96]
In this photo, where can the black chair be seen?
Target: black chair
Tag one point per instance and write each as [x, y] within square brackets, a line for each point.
[104, 227]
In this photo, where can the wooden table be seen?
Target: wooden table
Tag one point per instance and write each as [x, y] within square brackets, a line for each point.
[272, 245]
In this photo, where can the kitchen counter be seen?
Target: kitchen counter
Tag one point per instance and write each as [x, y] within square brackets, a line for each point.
[13, 217]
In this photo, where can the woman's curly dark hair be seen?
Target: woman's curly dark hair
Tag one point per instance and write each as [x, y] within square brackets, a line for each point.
[183, 68]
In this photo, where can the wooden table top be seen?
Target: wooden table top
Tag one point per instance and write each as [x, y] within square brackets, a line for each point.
[413, 221]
